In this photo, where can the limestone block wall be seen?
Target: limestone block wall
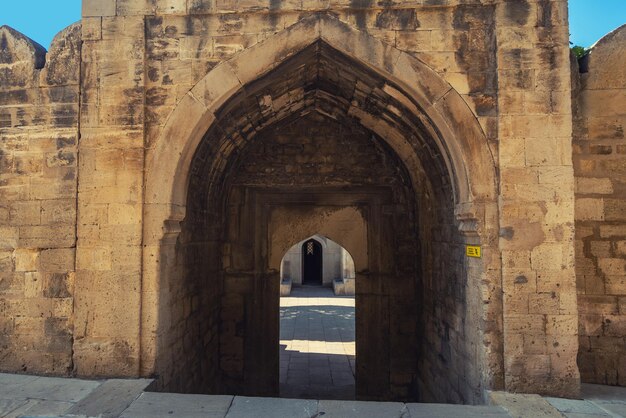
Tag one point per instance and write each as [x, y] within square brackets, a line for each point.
[536, 197]
[39, 98]
[600, 167]
[110, 192]
[139, 59]
[185, 40]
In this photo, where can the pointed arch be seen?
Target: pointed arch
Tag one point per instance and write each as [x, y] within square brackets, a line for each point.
[459, 137]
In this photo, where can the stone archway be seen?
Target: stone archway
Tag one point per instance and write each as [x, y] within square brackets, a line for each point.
[337, 263]
[422, 121]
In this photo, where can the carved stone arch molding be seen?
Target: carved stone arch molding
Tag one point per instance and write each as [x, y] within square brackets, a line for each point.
[459, 144]
[461, 139]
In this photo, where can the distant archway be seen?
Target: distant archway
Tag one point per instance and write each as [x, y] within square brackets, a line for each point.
[337, 262]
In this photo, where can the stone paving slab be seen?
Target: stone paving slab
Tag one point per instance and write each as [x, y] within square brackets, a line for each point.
[295, 391]
[616, 409]
[358, 409]
[246, 407]
[11, 383]
[574, 408]
[49, 388]
[33, 396]
[317, 340]
[611, 399]
[170, 405]
[111, 398]
[522, 406]
[426, 410]
[614, 394]
[9, 405]
[7, 379]
[40, 408]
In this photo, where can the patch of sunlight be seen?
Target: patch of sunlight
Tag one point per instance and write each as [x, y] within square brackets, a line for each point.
[288, 301]
[320, 347]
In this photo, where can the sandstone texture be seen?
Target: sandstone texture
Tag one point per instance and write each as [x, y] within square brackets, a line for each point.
[600, 168]
[39, 112]
[160, 159]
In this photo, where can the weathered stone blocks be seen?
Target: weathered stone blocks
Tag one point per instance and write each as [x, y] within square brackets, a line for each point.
[599, 118]
[92, 219]
[38, 199]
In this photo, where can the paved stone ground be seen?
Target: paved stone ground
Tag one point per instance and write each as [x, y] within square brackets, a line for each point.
[317, 340]
[599, 401]
[317, 361]
[32, 396]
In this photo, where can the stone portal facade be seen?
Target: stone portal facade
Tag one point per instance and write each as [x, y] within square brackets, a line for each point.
[157, 163]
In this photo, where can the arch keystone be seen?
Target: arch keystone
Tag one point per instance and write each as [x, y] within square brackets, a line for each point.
[258, 60]
[360, 45]
[214, 90]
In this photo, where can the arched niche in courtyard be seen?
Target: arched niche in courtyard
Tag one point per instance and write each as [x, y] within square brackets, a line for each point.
[423, 187]
[336, 261]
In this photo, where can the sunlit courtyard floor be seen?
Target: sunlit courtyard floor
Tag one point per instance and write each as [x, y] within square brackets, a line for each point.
[317, 341]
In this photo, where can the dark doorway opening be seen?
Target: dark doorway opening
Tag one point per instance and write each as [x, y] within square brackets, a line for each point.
[312, 263]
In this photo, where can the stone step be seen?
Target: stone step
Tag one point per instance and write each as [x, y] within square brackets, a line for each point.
[423, 410]
[161, 405]
[111, 398]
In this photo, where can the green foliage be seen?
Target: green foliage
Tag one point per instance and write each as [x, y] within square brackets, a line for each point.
[579, 51]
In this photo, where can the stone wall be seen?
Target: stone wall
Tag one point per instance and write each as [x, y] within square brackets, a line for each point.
[185, 42]
[473, 96]
[600, 167]
[110, 193]
[39, 99]
[537, 197]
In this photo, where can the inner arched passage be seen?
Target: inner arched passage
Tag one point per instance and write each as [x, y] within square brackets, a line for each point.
[381, 159]
[317, 322]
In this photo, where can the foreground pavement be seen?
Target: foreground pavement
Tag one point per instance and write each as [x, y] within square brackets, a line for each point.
[34, 396]
[317, 344]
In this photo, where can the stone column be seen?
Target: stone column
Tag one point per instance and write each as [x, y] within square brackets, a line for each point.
[110, 192]
[537, 198]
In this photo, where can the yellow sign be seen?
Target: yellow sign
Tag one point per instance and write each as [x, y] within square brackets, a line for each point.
[472, 251]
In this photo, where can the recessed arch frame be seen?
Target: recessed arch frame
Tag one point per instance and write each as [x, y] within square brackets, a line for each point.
[460, 141]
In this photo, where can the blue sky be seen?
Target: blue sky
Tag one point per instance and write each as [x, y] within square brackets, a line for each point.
[590, 20]
[42, 19]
